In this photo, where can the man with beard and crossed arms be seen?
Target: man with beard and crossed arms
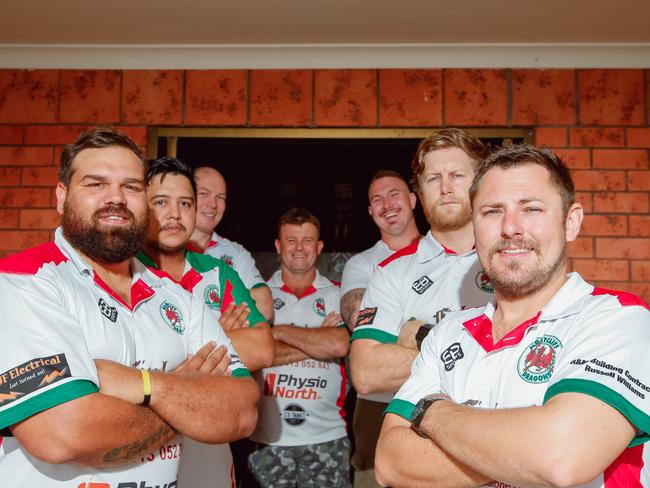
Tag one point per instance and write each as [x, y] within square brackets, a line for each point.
[211, 206]
[427, 279]
[171, 194]
[391, 207]
[547, 387]
[301, 428]
[79, 313]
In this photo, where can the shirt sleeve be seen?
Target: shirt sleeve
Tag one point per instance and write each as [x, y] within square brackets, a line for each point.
[424, 379]
[380, 315]
[607, 357]
[356, 274]
[204, 327]
[45, 360]
[232, 284]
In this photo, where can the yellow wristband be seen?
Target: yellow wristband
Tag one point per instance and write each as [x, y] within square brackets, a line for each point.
[146, 384]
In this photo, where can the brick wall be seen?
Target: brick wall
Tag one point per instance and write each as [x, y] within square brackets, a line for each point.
[597, 119]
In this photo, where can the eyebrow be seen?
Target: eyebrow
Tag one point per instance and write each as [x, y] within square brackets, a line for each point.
[105, 178]
[521, 201]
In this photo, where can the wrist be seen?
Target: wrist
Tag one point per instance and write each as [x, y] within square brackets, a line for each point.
[146, 387]
[423, 412]
[422, 334]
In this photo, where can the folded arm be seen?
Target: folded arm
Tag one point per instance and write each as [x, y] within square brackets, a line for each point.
[376, 367]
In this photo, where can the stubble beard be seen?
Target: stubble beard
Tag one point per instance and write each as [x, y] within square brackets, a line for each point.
[448, 221]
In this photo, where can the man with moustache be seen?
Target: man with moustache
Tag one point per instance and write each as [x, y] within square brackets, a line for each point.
[211, 206]
[98, 388]
[549, 386]
[171, 195]
[427, 279]
[391, 207]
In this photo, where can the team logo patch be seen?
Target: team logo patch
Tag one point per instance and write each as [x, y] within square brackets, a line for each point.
[31, 376]
[227, 259]
[319, 307]
[536, 363]
[172, 317]
[211, 297]
[294, 415]
[366, 316]
[421, 285]
[452, 354]
[107, 311]
[278, 304]
[482, 280]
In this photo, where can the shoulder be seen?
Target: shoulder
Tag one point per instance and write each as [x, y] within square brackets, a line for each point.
[404, 255]
[32, 260]
[203, 263]
[616, 299]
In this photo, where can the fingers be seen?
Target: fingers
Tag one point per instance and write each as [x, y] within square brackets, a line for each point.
[213, 363]
[332, 319]
[194, 362]
[235, 317]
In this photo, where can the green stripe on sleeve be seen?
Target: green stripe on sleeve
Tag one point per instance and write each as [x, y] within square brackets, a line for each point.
[66, 392]
[401, 408]
[242, 373]
[375, 335]
[637, 417]
[258, 285]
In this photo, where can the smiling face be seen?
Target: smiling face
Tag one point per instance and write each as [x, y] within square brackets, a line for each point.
[104, 211]
[298, 247]
[173, 212]
[443, 188]
[391, 205]
[211, 199]
[521, 229]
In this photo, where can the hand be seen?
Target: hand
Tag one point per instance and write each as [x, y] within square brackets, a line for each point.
[235, 317]
[210, 359]
[119, 381]
[407, 333]
[333, 319]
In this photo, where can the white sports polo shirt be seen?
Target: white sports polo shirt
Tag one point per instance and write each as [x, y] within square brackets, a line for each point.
[302, 402]
[585, 340]
[58, 316]
[358, 269]
[235, 255]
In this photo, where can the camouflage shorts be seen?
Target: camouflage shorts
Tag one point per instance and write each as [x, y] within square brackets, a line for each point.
[314, 465]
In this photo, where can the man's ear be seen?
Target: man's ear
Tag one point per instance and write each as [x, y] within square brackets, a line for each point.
[320, 247]
[413, 199]
[573, 222]
[61, 193]
[277, 246]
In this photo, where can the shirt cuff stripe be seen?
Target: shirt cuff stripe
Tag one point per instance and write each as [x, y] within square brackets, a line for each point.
[401, 408]
[375, 335]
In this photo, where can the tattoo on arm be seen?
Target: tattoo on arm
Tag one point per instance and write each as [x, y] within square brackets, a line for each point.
[127, 452]
[350, 303]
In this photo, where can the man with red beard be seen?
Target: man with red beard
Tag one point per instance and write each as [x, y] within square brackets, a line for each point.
[427, 279]
[98, 388]
[550, 385]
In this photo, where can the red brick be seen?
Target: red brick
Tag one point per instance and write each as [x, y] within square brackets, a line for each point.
[9, 176]
[25, 197]
[586, 200]
[582, 247]
[281, 97]
[621, 202]
[638, 180]
[604, 225]
[639, 225]
[596, 137]
[611, 96]
[17, 240]
[39, 218]
[11, 134]
[551, 136]
[542, 97]
[152, 97]
[25, 155]
[599, 180]
[28, 96]
[638, 136]
[476, 97]
[52, 134]
[618, 247]
[91, 96]
[640, 270]
[410, 97]
[602, 269]
[575, 158]
[620, 158]
[137, 134]
[9, 218]
[40, 176]
[346, 97]
[215, 97]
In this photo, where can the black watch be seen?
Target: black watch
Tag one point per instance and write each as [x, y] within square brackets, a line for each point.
[421, 334]
[420, 409]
